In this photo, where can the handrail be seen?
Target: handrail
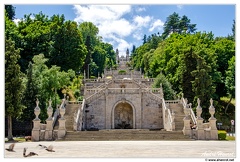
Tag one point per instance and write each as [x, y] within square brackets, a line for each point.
[184, 102]
[55, 117]
[170, 120]
[57, 112]
[78, 120]
[193, 116]
[89, 98]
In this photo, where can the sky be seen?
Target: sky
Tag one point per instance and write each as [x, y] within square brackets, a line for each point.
[125, 25]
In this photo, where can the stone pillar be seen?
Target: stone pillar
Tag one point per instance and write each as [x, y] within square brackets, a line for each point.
[62, 120]
[173, 120]
[186, 121]
[212, 122]
[36, 124]
[161, 91]
[49, 121]
[200, 129]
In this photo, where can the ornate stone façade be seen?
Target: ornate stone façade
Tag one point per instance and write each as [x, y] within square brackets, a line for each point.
[123, 99]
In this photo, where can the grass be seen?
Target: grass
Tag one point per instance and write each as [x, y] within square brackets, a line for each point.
[226, 99]
[16, 139]
[230, 138]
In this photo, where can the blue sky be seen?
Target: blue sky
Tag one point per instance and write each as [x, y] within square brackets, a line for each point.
[124, 25]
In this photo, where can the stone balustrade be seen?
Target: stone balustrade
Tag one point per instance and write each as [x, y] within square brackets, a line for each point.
[45, 132]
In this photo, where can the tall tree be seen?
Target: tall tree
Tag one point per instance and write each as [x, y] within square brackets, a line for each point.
[230, 80]
[10, 11]
[67, 48]
[30, 95]
[14, 87]
[177, 24]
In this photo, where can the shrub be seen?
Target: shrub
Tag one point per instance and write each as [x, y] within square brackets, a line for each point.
[122, 72]
[222, 134]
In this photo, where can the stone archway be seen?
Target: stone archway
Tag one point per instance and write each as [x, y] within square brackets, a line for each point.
[123, 116]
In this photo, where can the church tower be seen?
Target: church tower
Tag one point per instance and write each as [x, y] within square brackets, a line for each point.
[117, 56]
[127, 55]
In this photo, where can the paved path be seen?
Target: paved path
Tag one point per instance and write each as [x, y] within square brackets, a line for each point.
[128, 149]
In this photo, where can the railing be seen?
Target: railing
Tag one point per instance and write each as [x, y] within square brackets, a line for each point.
[184, 103]
[191, 113]
[95, 95]
[193, 116]
[173, 101]
[167, 117]
[170, 120]
[57, 112]
[55, 117]
[78, 120]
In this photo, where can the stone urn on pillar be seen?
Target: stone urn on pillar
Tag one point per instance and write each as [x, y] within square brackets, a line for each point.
[199, 109]
[212, 122]
[49, 121]
[37, 110]
[211, 110]
[36, 123]
[200, 130]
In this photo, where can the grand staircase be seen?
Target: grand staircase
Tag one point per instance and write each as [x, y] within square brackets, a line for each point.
[177, 108]
[69, 115]
[124, 135]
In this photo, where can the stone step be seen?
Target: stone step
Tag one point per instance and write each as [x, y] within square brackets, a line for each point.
[121, 134]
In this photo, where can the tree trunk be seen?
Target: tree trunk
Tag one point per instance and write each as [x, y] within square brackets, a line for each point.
[228, 104]
[10, 136]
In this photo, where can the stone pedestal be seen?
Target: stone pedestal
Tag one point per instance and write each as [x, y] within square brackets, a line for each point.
[213, 131]
[200, 129]
[49, 130]
[186, 129]
[36, 130]
[61, 129]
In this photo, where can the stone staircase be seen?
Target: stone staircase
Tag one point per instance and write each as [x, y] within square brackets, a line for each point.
[124, 135]
[179, 115]
[69, 115]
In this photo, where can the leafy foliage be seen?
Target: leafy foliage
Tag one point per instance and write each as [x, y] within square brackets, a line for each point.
[14, 87]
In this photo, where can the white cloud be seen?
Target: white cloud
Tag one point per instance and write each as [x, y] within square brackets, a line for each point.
[109, 20]
[116, 24]
[16, 21]
[120, 27]
[142, 21]
[179, 7]
[140, 9]
[158, 24]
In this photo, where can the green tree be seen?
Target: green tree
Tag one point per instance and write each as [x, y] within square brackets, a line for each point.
[169, 93]
[67, 50]
[30, 95]
[14, 87]
[225, 50]
[49, 81]
[35, 37]
[176, 24]
[10, 11]
[230, 80]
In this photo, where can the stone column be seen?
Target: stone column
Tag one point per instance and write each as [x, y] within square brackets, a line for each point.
[49, 121]
[36, 124]
[212, 122]
[62, 120]
[200, 130]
